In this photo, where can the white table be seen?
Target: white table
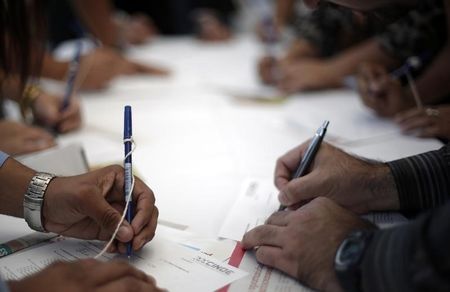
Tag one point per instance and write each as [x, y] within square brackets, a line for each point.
[195, 143]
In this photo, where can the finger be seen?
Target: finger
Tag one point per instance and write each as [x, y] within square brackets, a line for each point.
[126, 284]
[287, 164]
[428, 132]
[300, 189]
[110, 271]
[410, 114]
[273, 257]
[32, 145]
[278, 218]
[263, 235]
[420, 122]
[144, 204]
[152, 70]
[147, 233]
[105, 215]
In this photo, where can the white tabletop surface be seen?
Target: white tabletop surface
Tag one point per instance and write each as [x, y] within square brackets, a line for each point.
[196, 144]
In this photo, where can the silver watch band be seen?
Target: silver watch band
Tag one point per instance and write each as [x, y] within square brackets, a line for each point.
[34, 198]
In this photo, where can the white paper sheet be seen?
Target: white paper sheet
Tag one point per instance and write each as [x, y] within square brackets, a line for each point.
[174, 267]
[350, 120]
[262, 278]
[63, 160]
[257, 201]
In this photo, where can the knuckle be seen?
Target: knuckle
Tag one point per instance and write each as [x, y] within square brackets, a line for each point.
[132, 284]
[109, 217]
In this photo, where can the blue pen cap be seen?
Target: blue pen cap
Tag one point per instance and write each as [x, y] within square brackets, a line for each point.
[127, 124]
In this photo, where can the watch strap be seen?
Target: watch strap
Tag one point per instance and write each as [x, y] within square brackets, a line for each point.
[34, 199]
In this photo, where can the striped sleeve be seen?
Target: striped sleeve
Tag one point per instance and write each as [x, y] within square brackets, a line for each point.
[412, 257]
[423, 181]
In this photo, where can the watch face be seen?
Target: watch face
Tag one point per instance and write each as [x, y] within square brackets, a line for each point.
[349, 252]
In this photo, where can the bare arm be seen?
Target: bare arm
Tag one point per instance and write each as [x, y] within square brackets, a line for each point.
[14, 178]
[97, 16]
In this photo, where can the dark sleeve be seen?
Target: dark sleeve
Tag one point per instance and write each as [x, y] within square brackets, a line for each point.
[423, 181]
[326, 27]
[421, 31]
[412, 257]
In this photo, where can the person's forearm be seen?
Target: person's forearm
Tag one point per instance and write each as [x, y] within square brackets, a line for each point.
[97, 15]
[14, 180]
[283, 12]
[347, 62]
[423, 181]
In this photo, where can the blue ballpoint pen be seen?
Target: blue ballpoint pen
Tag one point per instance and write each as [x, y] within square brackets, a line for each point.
[310, 154]
[128, 180]
[73, 71]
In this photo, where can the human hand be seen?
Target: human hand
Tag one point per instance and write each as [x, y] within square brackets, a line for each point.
[353, 183]
[210, 28]
[18, 138]
[89, 206]
[47, 112]
[301, 49]
[303, 243]
[138, 29]
[269, 69]
[98, 68]
[429, 122]
[86, 275]
[308, 74]
[382, 93]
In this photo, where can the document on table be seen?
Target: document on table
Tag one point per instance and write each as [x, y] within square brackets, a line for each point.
[262, 278]
[174, 267]
[257, 201]
[62, 160]
[350, 120]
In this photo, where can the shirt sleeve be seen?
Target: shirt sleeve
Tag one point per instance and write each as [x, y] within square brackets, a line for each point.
[423, 30]
[412, 257]
[3, 286]
[423, 181]
[3, 157]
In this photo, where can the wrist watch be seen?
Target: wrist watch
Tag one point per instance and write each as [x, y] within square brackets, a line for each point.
[348, 260]
[34, 198]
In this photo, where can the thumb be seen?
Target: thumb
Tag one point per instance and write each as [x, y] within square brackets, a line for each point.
[298, 190]
[105, 215]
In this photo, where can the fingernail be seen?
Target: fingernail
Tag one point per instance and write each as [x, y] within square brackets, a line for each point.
[123, 232]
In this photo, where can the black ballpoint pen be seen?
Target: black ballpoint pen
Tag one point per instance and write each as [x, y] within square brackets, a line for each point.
[309, 154]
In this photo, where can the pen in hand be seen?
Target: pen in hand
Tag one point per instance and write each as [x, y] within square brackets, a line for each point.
[71, 76]
[128, 171]
[310, 154]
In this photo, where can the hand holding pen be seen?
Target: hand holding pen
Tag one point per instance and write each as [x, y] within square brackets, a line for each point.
[309, 155]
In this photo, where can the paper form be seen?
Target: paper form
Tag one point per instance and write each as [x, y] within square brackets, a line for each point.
[262, 278]
[257, 201]
[350, 120]
[174, 267]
